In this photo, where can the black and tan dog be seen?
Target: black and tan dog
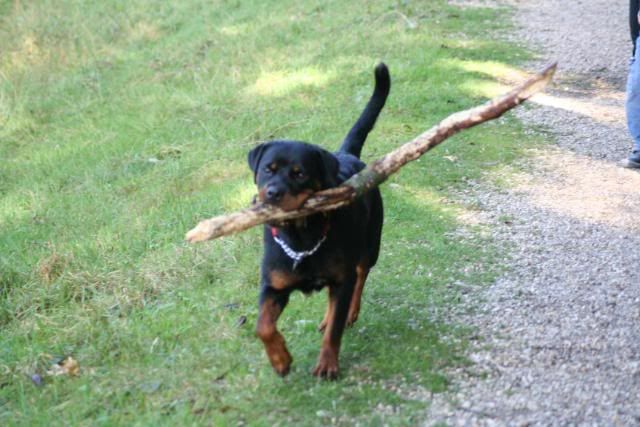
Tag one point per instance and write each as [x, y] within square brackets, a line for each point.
[334, 250]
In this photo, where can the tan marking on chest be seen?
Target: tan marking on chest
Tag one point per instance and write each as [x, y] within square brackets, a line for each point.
[282, 279]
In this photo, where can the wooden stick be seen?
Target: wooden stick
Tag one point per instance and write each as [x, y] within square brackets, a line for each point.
[377, 172]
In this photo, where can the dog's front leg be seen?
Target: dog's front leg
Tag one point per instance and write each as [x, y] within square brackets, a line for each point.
[271, 305]
[336, 318]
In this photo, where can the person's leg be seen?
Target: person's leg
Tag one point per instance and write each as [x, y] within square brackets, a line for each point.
[633, 110]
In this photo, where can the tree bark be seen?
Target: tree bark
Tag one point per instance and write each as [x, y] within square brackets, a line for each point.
[378, 171]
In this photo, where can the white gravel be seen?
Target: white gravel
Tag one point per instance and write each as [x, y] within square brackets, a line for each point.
[560, 330]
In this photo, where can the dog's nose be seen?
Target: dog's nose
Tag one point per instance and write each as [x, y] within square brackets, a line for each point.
[274, 194]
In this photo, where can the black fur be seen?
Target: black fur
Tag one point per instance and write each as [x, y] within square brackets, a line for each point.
[286, 173]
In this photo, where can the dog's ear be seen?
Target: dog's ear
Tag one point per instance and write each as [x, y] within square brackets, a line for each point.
[329, 165]
[255, 156]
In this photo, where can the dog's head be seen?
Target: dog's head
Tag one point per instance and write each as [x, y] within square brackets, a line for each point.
[287, 173]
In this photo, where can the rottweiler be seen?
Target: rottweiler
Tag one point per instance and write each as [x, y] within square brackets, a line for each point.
[334, 250]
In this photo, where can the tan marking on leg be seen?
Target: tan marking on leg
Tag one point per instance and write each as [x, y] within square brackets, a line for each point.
[327, 366]
[273, 341]
[354, 309]
[323, 325]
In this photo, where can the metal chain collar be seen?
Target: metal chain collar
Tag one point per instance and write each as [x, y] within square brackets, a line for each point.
[297, 257]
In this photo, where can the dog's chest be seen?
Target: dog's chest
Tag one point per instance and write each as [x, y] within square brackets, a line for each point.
[314, 284]
[323, 271]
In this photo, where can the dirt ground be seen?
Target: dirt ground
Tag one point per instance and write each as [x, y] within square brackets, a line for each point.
[559, 332]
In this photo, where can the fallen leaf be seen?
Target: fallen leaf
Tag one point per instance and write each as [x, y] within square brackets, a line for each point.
[66, 366]
[71, 366]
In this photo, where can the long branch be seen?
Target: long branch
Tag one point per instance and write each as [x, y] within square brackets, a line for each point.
[378, 171]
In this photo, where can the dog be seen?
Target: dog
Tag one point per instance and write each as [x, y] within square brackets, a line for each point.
[334, 250]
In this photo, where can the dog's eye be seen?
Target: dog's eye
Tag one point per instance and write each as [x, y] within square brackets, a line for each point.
[299, 175]
[270, 169]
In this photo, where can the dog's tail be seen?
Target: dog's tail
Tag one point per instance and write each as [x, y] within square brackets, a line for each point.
[358, 134]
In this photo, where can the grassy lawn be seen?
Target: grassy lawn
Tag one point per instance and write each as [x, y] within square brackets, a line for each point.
[124, 123]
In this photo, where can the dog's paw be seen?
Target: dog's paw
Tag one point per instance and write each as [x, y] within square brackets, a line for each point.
[352, 317]
[327, 367]
[281, 362]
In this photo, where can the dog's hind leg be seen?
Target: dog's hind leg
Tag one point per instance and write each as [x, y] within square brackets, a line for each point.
[323, 325]
[362, 271]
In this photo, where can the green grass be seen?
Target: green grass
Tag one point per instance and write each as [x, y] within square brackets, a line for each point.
[124, 123]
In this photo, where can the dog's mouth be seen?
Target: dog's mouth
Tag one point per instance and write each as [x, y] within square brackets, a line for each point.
[287, 201]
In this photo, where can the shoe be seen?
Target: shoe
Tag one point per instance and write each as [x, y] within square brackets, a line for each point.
[633, 161]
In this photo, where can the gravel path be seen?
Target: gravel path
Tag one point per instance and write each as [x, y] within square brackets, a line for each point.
[560, 332]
